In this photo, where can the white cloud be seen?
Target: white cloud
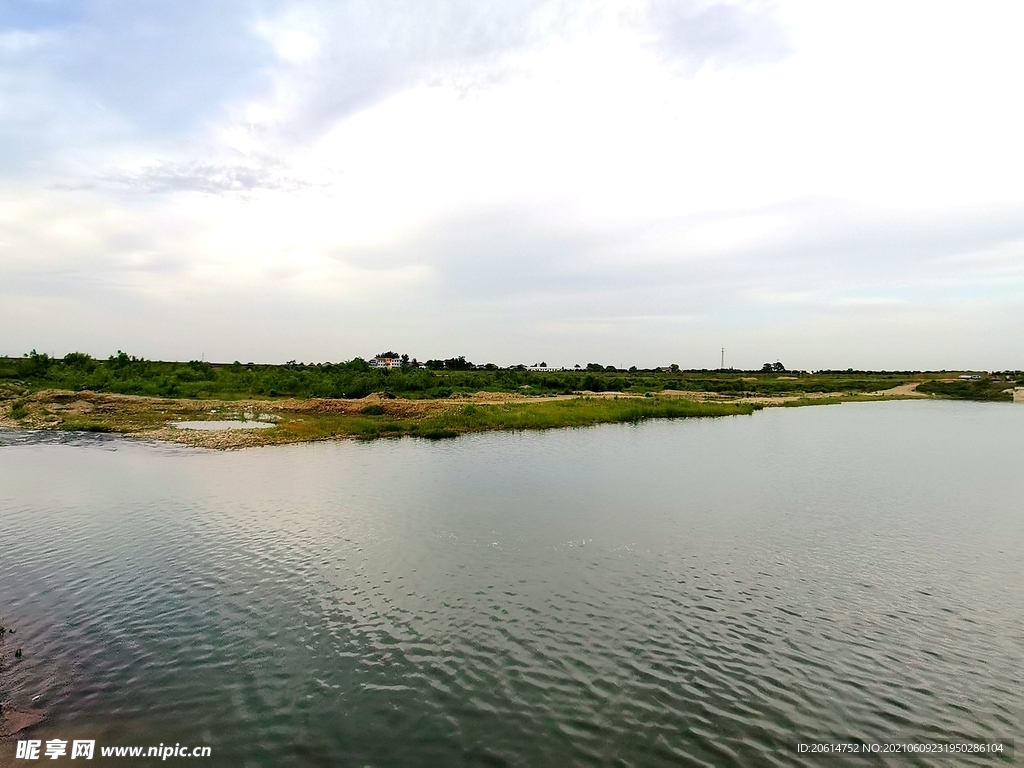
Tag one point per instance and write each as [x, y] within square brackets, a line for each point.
[291, 45]
[18, 41]
[636, 177]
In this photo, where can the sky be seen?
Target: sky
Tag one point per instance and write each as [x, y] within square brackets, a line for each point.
[830, 185]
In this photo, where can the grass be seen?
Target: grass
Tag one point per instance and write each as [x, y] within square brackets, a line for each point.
[982, 389]
[551, 414]
[577, 412]
[799, 402]
[79, 393]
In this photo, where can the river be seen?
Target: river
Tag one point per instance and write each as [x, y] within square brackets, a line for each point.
[702, 591]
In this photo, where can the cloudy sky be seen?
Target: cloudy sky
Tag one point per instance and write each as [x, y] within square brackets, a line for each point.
[638, 182]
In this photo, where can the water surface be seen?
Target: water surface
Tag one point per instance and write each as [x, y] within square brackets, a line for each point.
[678, 592]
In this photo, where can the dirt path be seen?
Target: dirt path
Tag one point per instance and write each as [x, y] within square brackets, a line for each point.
[906, 390]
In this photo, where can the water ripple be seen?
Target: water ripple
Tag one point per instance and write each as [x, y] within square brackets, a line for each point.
[340, 604]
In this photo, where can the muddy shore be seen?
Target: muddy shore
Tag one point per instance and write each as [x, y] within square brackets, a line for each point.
[303, 420]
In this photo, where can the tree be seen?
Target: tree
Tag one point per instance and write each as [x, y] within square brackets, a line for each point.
[77, 359]
[674, 367]
[778, 367]
[34, 364]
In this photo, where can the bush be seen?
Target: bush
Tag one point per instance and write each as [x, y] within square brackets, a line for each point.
[361, 386]
[984, 389]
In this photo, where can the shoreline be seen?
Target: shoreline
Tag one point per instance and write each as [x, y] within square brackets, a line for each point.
[313, 419]
[14, 720]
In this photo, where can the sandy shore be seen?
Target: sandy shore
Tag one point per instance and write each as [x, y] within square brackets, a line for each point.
[304, 420]
[906, 390]
[152, 418]
[13, 721]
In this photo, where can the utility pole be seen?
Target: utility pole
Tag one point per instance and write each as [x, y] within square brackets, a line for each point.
[723, 358]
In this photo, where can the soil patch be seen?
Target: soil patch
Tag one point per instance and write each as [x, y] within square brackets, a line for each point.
[14, 721]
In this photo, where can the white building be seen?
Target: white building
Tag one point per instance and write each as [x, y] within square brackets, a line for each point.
[386, 360]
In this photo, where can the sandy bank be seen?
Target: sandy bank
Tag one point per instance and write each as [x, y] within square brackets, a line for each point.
[13, 721]
[905, 390]
[305, 420]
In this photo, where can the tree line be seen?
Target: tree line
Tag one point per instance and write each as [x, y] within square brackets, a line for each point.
[128, 374]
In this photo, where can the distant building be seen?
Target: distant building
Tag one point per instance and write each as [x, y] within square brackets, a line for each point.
[970, 376]
[386, 360]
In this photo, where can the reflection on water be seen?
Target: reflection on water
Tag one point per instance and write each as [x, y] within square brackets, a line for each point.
[686, 592]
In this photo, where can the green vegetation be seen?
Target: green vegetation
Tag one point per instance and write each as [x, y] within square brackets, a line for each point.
[545, 414]
[985, 388]
[378, 416]
[126, 374]
[450, 397]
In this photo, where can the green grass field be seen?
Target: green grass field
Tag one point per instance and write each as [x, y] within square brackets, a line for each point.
[551, 414]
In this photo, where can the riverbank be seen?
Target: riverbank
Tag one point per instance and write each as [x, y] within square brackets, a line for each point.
[303, 420]
[296, 420]
[14, 721]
